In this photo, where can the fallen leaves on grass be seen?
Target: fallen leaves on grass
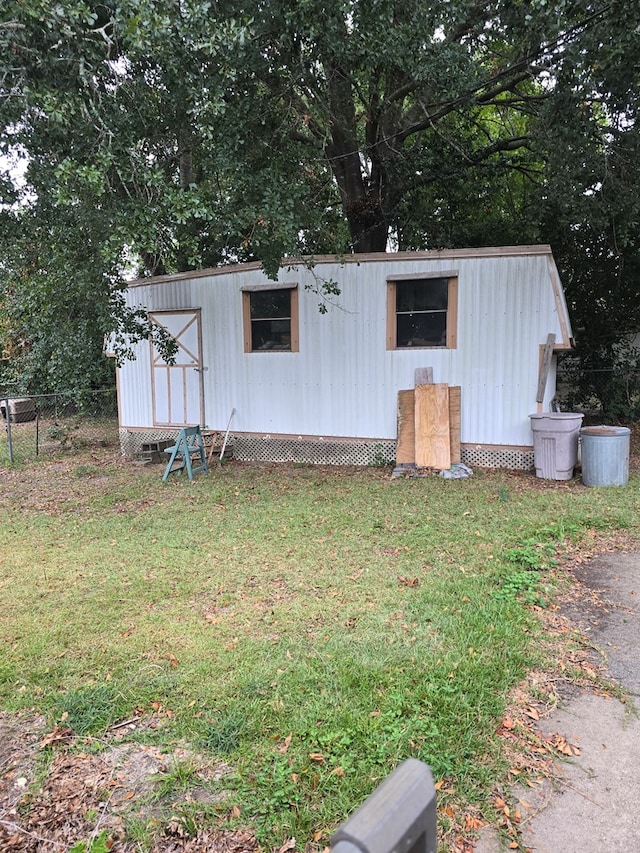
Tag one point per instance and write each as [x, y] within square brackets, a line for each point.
[284, 746]
[57, 736]
[79, 790]
[405, 581]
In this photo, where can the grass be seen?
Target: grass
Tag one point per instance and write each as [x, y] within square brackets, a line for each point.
[312, 628]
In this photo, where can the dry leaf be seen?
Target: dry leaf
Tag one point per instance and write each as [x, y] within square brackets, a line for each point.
[288, 845]
[337, 771]
[404, 581]
[317, 756]
[58, 734]
[285, 746]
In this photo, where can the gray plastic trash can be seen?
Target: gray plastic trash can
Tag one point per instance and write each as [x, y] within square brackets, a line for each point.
[605, 455]
[555, 444]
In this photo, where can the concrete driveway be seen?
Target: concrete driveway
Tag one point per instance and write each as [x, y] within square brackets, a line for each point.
[595, 803]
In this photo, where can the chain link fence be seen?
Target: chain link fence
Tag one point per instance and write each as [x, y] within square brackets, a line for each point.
[48, 424]
[611, 393]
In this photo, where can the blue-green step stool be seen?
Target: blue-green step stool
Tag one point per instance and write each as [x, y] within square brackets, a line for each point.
[189, 443]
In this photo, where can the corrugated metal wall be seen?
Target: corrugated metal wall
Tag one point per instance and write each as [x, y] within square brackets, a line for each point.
[343, 381]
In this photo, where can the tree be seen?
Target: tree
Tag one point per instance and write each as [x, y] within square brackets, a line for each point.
[588, 136]
[191, 133]
[235, 129]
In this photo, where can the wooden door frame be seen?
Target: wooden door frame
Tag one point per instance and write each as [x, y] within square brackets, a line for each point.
[198, 367]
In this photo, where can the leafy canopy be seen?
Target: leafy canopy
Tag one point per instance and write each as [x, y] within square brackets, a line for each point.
[166, 135]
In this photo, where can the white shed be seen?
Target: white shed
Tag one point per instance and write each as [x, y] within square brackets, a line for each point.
[322, 386]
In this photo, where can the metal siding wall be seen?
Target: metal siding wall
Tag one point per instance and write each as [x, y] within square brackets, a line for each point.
[134, 382]
[344, 382]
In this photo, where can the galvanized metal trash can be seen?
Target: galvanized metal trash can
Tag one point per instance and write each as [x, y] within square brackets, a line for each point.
[605, 455]
[555, 443]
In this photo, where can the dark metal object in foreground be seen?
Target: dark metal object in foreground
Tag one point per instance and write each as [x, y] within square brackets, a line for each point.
[398, 817]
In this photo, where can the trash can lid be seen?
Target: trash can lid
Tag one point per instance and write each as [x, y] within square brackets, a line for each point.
[557, 416]
[604, 430]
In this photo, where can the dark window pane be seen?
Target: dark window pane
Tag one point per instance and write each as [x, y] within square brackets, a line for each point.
[427, 294]
[270, 304]
[271, 335]
[422, 330]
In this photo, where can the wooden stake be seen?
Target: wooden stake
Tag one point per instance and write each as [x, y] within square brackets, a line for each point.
[545, 366]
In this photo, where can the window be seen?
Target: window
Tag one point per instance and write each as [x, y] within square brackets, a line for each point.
[422, 311]
[270, 318]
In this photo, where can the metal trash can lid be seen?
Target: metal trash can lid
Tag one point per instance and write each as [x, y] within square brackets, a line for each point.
[605, 430]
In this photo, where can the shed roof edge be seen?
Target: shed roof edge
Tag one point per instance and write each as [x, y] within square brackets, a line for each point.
[374, 257]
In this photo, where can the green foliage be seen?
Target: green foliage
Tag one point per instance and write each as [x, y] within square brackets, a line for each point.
[521, 586]
[178, 779]
[604, 379]
[533, 555]
[90, 710]
[99, 844]
[222, 735]
[165, 136]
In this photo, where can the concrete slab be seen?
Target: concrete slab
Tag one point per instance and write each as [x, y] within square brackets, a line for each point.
[595, 803]
[614, 624]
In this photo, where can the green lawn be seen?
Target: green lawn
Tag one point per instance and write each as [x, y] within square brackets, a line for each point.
[310, 627]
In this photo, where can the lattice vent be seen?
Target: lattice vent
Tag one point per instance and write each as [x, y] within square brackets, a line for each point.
[131, 443]
[314, 451]
[483, 457]
[330, 452]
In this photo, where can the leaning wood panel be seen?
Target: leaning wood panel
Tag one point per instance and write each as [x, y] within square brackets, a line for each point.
[455, 397]
[432, 426]
[406, 447]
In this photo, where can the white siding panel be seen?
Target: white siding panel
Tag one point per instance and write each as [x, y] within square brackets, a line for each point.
[343, 381]
[134, 389]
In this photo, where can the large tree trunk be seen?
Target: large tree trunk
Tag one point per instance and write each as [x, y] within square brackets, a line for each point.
[367, 225]
[362, 198]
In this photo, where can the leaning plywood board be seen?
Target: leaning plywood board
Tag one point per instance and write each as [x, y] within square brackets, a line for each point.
[406, 447]
[454, 422]
[432, 426]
